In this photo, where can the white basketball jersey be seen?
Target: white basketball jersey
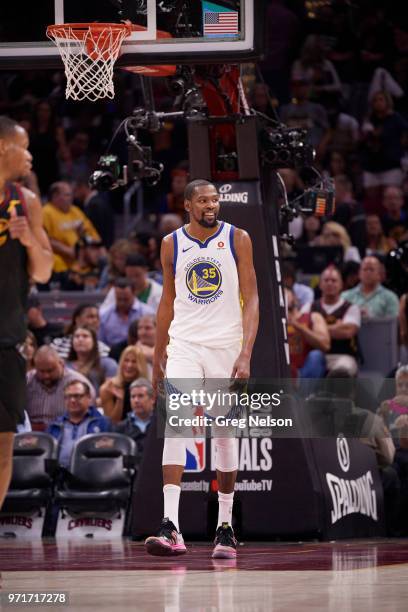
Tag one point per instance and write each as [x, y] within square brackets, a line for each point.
[207, 308]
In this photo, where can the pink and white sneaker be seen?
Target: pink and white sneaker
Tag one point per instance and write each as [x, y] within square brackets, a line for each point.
[167, 542]
[225, 543]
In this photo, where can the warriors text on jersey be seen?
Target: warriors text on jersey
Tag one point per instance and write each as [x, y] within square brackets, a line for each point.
[13, 272]
[207, 309]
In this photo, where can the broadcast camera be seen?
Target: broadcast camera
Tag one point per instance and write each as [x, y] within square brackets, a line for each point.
[286, 147]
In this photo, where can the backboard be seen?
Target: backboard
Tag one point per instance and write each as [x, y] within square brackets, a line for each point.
[201, 31]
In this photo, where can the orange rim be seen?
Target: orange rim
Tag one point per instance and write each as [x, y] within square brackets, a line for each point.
[81, 29]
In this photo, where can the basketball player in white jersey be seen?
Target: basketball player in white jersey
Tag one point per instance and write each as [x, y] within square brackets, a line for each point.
[208, 273]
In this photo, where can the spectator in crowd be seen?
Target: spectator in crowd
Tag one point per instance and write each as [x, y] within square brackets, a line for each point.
[308, 339]
[84, 358]
[115, 319]
[343, 321]
[349, 212]
[325, 85]
[142, 333]
[44, 331]
[45, 387]
[79, 419]
[146, 338]
[175, 198]
[84, 315]
[29, 350]
[47, 144]
[392, 409]
[311, 229]
[382, 134]
[283, 32]
[114, 393]
[98, 209]
[303, 293]
[395, 218]
[115, 268]
[117, 349]
[302, 113]
[146, 244]
[374, 43]
[80, 161]
[65, 225]
[334, 234]
[168, 223]
[377, 243]
[403, 325]
[261, 100]
[86, 270]
[344, 134]
[336, 164]
[373, 299]
[137, 421]
[146, 290]
[350, 274]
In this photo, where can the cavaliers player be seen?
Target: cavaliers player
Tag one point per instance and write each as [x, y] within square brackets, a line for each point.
[207, 274]
[25, 254]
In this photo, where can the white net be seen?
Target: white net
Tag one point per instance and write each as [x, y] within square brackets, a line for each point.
[89, 52]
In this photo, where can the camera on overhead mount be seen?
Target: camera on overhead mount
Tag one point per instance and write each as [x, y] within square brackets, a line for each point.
[108, 174]
[284, 147]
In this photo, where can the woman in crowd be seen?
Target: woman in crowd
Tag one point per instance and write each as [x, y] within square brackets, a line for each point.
[377, 241]
[84, 357]
[311, 230]
[383, 132]
[84, 315]
[114, 393]
[334, 234]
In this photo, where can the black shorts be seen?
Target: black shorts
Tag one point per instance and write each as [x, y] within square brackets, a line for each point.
[13, 389]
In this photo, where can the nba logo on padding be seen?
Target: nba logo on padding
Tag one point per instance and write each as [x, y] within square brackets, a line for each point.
[195, 455]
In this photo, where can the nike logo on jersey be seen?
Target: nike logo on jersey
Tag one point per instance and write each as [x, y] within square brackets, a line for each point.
[184, 250]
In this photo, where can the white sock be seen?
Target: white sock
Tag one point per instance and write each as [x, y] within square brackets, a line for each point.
[225, 501]
[171, 494]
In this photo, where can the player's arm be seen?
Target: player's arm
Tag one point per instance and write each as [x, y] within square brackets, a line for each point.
[250, 308]
[165, 311]
[30, 232]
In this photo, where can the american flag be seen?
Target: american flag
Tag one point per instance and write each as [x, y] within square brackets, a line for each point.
[220, 23]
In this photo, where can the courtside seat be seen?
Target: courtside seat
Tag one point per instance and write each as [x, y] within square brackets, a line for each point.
[32, 484]
[100, 474]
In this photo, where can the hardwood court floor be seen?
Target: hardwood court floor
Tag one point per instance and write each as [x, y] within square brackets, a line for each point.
[118, 576]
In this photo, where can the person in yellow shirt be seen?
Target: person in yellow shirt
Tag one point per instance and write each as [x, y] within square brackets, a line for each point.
[65, 224]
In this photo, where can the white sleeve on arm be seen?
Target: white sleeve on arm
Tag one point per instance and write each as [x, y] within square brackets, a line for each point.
[353, 315]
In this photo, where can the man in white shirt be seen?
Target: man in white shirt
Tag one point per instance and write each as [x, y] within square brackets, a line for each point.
[343, 320]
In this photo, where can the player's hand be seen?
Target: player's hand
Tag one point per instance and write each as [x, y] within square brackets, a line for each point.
[157, 380]
[240, 371]
[19, 229]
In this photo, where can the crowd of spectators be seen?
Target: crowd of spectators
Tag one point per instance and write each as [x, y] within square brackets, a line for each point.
[341, 72]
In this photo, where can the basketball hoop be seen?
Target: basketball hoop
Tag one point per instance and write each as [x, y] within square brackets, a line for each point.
[89, 52]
